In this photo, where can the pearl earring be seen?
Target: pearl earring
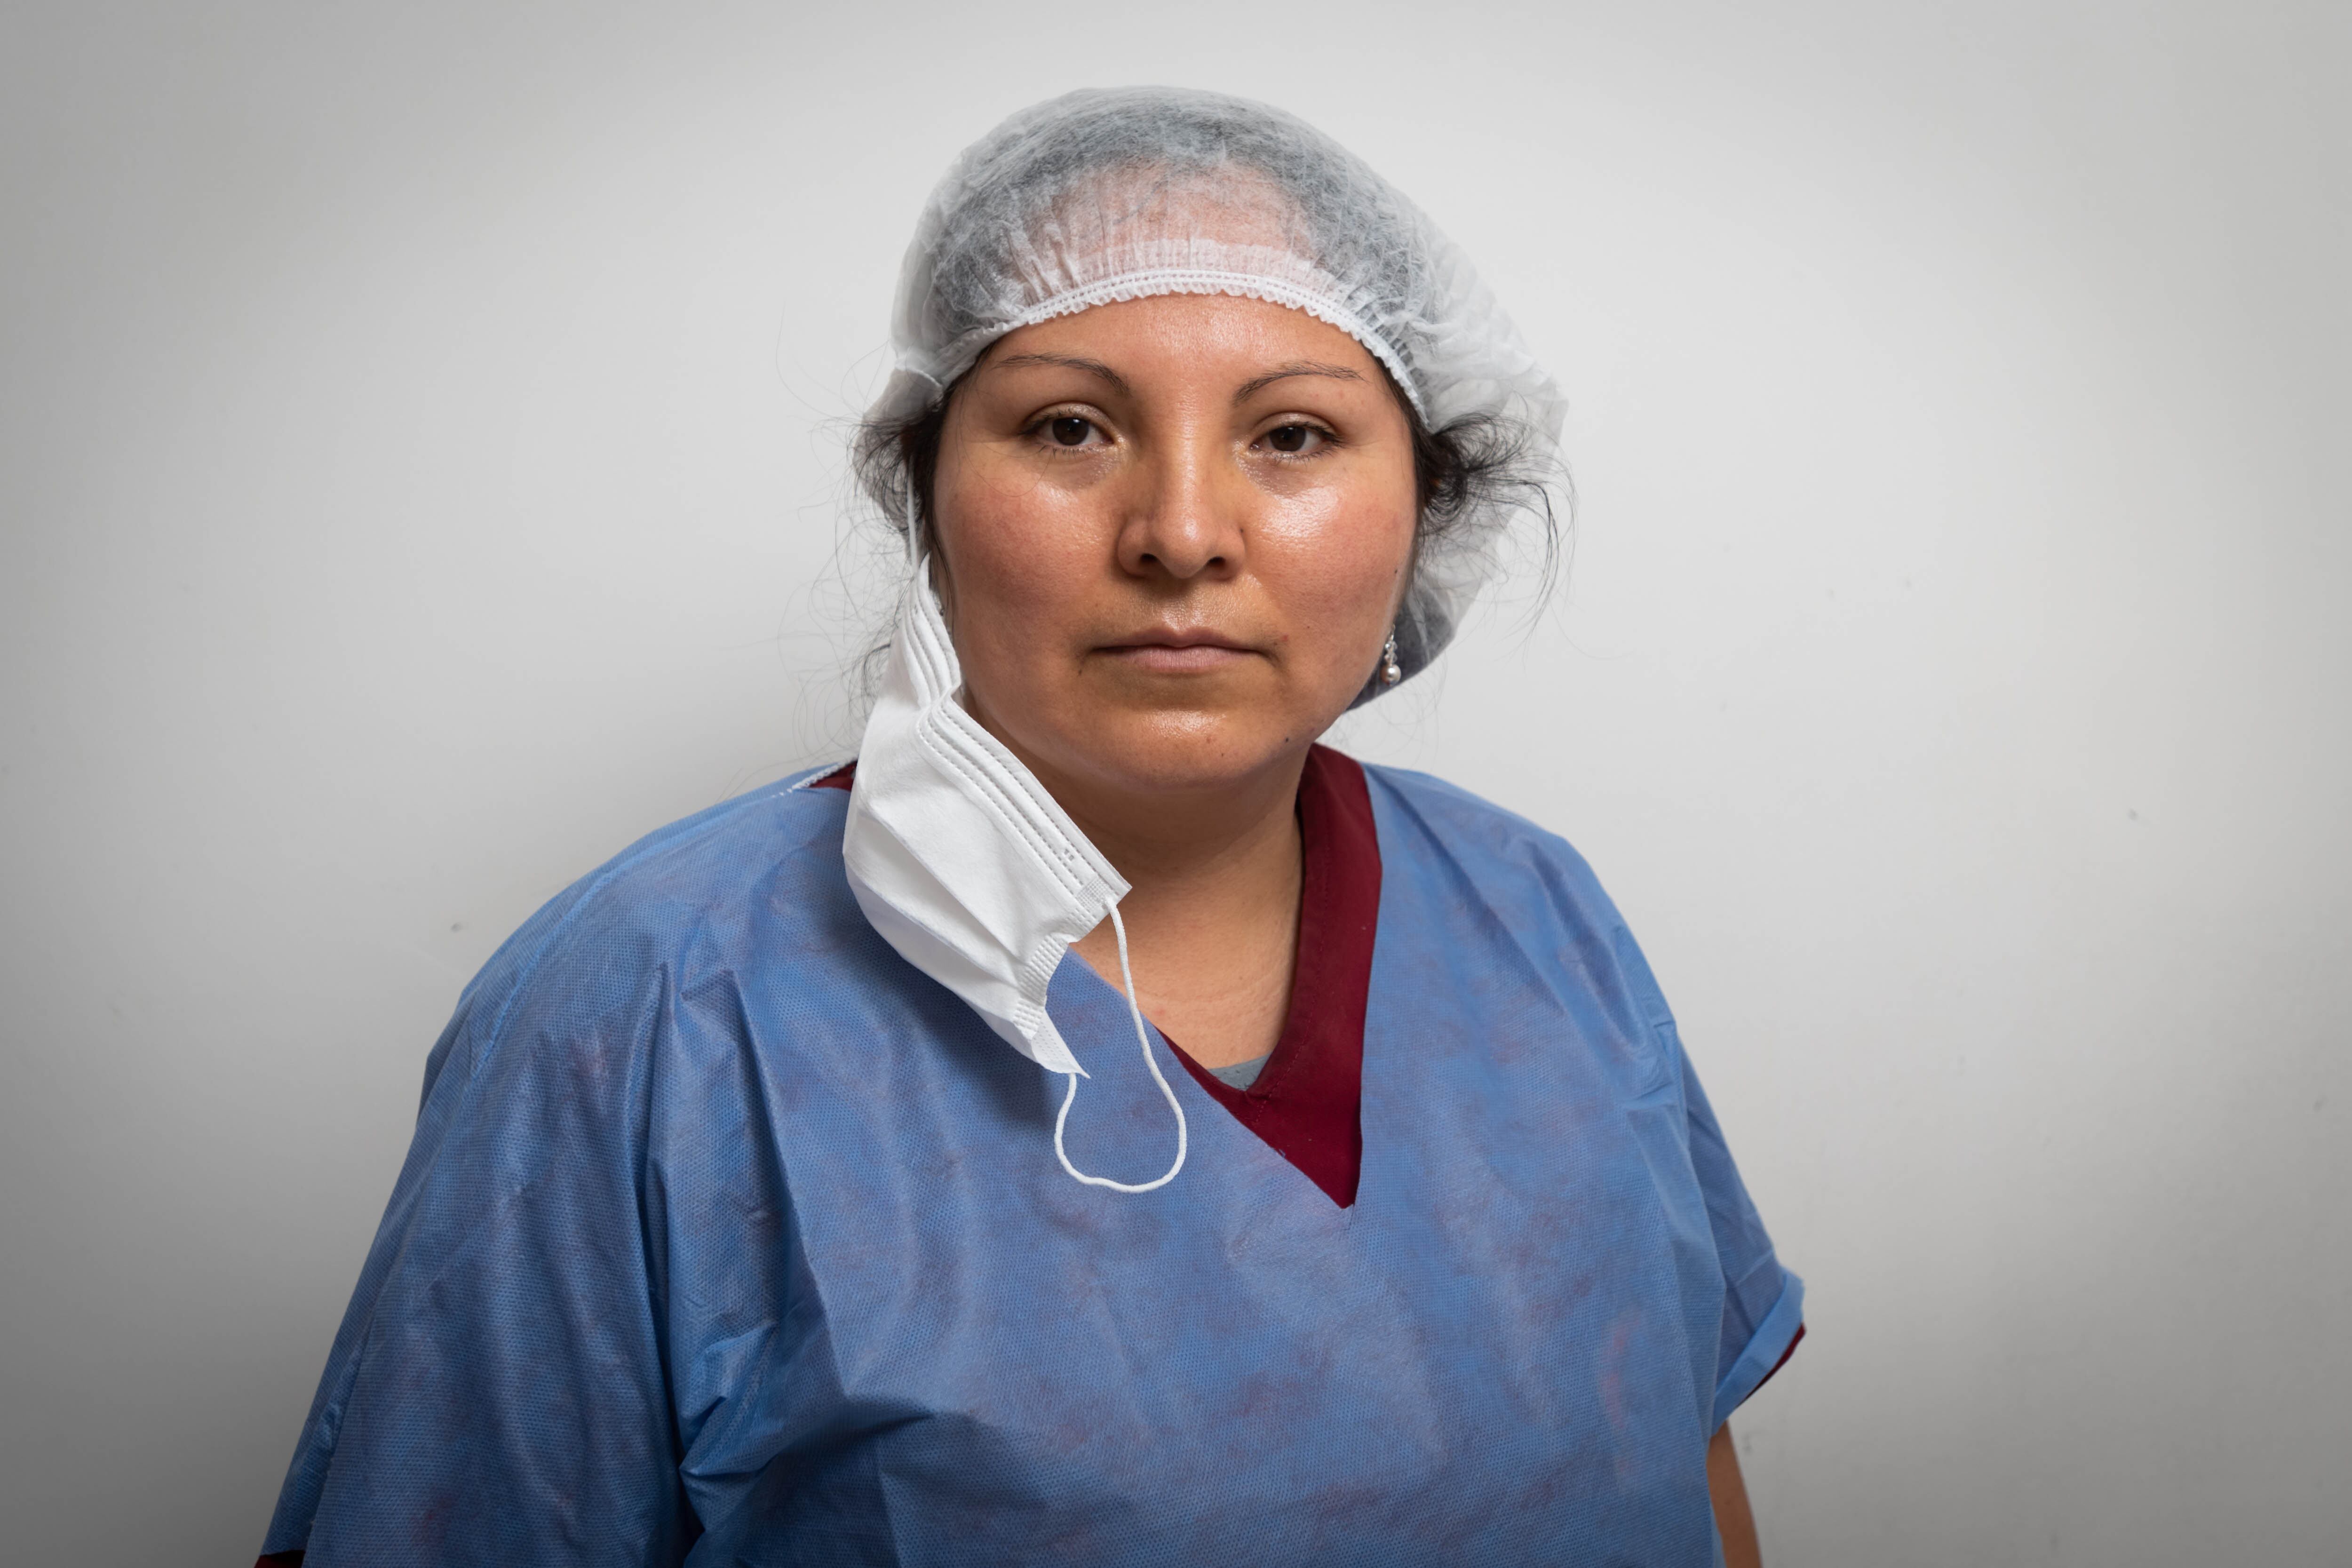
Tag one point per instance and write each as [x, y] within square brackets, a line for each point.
[1391, 671]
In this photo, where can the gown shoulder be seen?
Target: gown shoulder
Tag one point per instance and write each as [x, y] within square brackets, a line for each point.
[745, 881]
[1475, 832]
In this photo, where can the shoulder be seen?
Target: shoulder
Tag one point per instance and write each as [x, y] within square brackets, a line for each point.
[1490, 874]
[760, 874]
[776, 848]
[1431, 816]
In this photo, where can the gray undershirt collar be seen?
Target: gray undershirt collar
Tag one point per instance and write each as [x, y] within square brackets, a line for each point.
[1241, 1075]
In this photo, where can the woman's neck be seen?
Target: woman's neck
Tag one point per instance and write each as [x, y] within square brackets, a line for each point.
[1212, 914]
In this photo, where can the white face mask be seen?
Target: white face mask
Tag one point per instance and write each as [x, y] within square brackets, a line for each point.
[967, 867]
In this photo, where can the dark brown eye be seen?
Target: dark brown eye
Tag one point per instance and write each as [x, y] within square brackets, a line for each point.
[1289, 439]
[1070, 430]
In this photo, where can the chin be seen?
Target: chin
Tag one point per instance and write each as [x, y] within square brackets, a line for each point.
[1185, 749]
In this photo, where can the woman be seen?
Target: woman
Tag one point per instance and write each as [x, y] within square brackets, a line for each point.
[734, 1232]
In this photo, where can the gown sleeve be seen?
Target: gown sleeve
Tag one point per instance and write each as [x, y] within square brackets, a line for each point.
[1763, 1302]
[500, 1390]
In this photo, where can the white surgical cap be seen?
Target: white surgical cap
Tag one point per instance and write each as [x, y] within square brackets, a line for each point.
[1126, 193]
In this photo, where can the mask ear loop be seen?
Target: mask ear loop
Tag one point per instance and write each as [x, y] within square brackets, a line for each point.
[1127, 978]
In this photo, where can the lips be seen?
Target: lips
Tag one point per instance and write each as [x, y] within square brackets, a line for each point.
[1168, 638]
[1169, 650]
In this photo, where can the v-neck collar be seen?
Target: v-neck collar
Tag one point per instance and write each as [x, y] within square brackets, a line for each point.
[1306, 1102]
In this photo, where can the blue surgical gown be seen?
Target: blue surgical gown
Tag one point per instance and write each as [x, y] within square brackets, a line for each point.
[727, 1237]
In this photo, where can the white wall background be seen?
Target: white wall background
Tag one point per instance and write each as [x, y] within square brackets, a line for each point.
[418, 439]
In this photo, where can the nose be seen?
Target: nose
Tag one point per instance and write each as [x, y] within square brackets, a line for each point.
[1183, 514]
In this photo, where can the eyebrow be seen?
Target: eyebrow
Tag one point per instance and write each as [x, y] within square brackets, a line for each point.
[1094, 367]
[1249, 389]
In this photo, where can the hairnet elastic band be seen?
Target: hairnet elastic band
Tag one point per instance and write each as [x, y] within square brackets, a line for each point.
[1157, 281]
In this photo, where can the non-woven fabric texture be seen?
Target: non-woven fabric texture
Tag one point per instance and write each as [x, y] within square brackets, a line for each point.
[727, 1237]
[1121, 193]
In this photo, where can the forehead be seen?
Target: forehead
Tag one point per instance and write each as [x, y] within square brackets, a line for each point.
[1189, 336]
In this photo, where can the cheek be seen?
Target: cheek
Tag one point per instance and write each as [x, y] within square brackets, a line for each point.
[1020, 557]
[1341, 567]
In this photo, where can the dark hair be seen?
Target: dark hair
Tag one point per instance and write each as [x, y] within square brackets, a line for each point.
[1478, 463]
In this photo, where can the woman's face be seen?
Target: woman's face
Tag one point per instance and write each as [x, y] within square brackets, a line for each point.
[1173, 535]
